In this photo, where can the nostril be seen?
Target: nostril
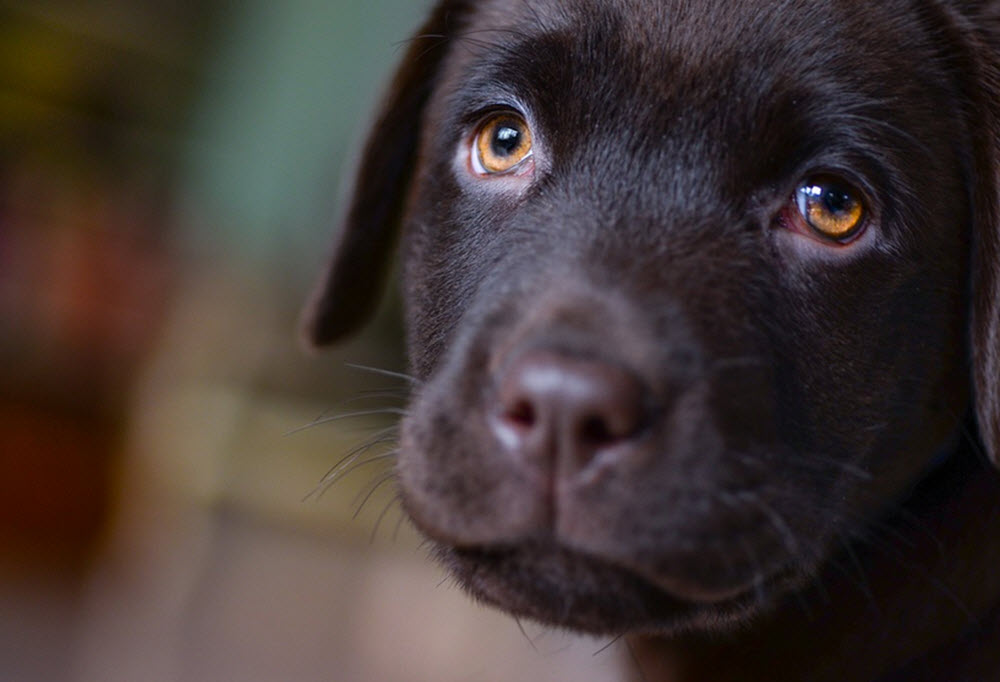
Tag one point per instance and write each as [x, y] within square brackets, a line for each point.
[521, 414]
[594, 431]
[550, 404]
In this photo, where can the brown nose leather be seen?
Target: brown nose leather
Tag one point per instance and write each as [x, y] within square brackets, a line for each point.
[553, 405]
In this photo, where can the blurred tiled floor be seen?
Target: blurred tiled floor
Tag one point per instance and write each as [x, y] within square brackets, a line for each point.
[273, 604]
[218, 568]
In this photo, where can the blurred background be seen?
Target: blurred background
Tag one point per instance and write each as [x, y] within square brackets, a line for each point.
[168, 174]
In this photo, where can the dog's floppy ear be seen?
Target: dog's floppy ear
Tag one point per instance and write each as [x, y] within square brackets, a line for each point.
[351, 286]
[985, 333]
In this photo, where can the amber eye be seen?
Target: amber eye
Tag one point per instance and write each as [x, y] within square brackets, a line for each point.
[502, 142]
[831, 208]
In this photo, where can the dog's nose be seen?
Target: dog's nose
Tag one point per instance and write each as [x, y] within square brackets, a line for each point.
[556, 406]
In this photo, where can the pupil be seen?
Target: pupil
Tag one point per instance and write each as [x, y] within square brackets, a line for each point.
[506, 140]
[837, 201]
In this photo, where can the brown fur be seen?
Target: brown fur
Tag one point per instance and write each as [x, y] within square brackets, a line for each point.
[802, 490]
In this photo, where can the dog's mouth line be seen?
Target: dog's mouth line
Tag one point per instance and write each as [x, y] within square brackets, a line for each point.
[591, 595]
[531, 554]
[673, 588]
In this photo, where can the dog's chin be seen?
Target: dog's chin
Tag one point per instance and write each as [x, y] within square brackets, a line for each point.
[561, 587]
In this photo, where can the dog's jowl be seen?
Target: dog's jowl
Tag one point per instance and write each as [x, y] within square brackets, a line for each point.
[702, 302]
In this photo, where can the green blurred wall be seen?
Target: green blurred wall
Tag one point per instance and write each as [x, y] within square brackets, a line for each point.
[284, 105]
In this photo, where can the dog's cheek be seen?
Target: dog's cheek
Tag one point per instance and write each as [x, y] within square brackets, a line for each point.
[451, 246]
[874, 391]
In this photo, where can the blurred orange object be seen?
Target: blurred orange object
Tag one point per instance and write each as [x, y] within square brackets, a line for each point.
[83, 285]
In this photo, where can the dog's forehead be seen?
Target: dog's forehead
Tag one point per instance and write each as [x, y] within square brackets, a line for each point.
[705, 29]
[720, 56]
[718, 89]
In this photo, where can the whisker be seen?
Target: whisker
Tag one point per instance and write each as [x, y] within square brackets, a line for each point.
[524, 632]
[439, 41]
[391, 393]
[382, 411]
[421, 36]
[758, 584]
[385, 510]
[385, 372]
[881, 534]
[635, 661]
[969, 437]
[812, 460]
[907, 564]
[326, 484]
[915, 523]
[775, 519]
[399, 523]
[608, 645]
[386, 435]
[862, 581]
[502, 31]
[382, 480]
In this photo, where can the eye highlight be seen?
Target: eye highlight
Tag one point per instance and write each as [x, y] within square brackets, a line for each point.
[830, 207]
[501, 144]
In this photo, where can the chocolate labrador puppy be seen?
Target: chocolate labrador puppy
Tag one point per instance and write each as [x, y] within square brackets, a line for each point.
[703, 301]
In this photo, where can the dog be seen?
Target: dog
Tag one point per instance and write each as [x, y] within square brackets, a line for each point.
[703, 310]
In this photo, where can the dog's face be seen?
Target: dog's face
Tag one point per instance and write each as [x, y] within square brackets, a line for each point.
[687, 288]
